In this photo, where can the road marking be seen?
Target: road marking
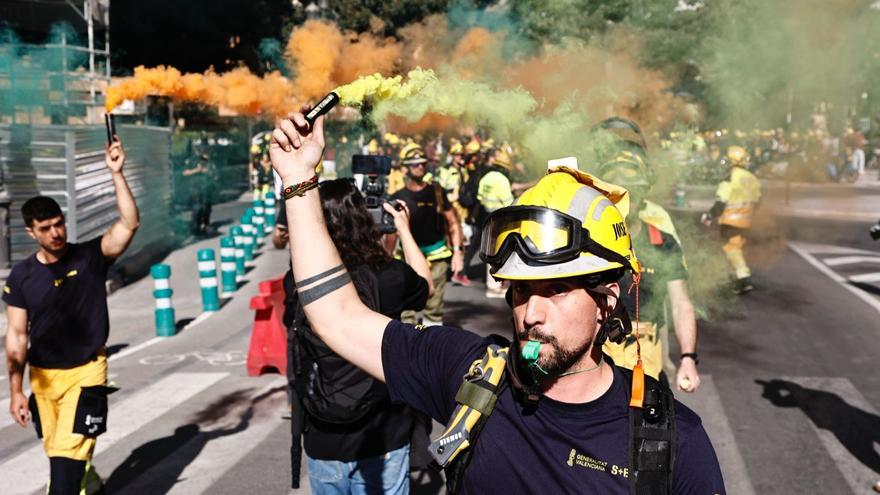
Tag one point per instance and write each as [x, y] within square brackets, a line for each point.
[826, 249]
[132, 350]
[865, 277]
[864, 296]
[858, 476]
[847, 260]
[29, 471]
[707, 403]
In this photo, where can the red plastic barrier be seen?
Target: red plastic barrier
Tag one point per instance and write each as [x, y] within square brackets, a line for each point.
[268, 349]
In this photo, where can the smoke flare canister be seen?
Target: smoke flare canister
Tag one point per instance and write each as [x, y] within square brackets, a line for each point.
[323, 106]
[208, 280]
[111, 127]
[162, 293]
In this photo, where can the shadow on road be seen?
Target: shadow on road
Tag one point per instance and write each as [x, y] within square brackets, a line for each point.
[169, 456]
[854, 428]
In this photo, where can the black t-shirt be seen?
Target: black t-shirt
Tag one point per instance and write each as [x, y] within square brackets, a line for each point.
[555, 448]
[426, 220]
[66, 304]
[662, 261]
[400, 288]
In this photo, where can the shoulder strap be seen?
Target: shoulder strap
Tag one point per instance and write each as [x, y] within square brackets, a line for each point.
[651, 439]
[476, 398]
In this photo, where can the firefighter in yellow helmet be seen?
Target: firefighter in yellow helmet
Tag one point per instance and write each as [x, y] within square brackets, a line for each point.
[735, 202]
[664, 272]
[435, 227]
[493, 193]
[569, 421]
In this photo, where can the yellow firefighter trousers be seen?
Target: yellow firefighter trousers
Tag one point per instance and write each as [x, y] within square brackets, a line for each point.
[57, 393]
[734, 251]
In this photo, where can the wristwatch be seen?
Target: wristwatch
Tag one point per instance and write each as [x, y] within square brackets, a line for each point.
[692, 355]
[456, 248]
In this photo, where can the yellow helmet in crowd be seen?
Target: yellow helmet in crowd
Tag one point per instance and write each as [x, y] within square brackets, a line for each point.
[412, 154]
[502, 159]
[567, 225]
[392, 139]
[738, 156]
[455, 148]
[472, 147]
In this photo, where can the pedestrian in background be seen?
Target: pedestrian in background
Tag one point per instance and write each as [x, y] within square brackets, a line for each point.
[58, 324]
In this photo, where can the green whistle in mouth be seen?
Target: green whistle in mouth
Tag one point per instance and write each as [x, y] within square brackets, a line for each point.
[531, 351]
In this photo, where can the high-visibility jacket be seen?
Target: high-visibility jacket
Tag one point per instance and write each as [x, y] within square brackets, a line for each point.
[656, 216]
[494, 191]
[396, 181]
[449, 178]
[740, 194]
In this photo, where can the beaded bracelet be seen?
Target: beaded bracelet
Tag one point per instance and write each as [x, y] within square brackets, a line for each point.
[301, 188]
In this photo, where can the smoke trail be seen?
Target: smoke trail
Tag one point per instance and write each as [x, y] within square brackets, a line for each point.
[238, 90]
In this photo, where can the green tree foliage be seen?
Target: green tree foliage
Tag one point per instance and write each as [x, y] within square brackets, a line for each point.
[356, 15]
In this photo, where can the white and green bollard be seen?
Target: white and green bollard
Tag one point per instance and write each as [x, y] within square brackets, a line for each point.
[162, 293]
[228, 283]
[238, 238]
[247, 238]
[208, 280]
[259, 221]
[271, 212]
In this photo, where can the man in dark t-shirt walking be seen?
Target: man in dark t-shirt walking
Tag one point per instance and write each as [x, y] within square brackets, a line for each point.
[435, 227]
[563, 424]
[57, 300]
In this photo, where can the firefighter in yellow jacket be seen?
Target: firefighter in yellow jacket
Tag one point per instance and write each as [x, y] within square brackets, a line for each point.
[664, 271]
[735, 201]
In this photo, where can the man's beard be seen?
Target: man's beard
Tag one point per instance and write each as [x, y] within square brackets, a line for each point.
[560, 360]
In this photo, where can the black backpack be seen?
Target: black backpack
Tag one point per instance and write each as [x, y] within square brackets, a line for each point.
[467, 194]
[327, 388]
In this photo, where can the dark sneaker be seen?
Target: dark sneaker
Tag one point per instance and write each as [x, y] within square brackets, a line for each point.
[743, 285]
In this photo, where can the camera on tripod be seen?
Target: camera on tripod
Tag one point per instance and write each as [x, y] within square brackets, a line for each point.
[370, 173]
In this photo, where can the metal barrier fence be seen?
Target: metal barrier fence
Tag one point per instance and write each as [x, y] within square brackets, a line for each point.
[67, 164]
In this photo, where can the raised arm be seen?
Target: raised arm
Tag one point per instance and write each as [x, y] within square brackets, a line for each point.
[16, 354]
[119, 237]
[411, 252]
[329, 298]
[685, 321]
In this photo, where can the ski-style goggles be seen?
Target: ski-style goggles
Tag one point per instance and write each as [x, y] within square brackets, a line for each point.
[541, 236]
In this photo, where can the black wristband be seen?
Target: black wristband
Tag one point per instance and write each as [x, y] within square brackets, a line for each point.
[692, 355]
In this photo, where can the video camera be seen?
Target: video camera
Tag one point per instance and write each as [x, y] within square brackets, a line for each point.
[370, 172]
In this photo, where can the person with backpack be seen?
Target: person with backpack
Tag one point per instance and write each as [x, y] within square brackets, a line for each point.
[355, 440]
[544, 411]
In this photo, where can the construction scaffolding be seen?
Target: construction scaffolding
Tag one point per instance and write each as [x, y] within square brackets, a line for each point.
[61, 82]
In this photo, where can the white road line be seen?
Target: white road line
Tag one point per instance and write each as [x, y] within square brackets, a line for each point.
[865, 277]
[864, 296]
[848, 260]
[221, 452]
[707, 403]
[858, 476]
[132, 350]
[826, 249]
[28, 471]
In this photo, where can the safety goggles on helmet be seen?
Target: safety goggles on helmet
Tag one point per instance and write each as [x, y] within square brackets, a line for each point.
[541, 236]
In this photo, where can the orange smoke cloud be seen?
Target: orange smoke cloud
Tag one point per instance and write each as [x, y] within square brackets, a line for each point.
[238, 90]
[324, 58]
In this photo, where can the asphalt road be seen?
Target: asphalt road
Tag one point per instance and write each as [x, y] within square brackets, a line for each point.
[789, 397]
